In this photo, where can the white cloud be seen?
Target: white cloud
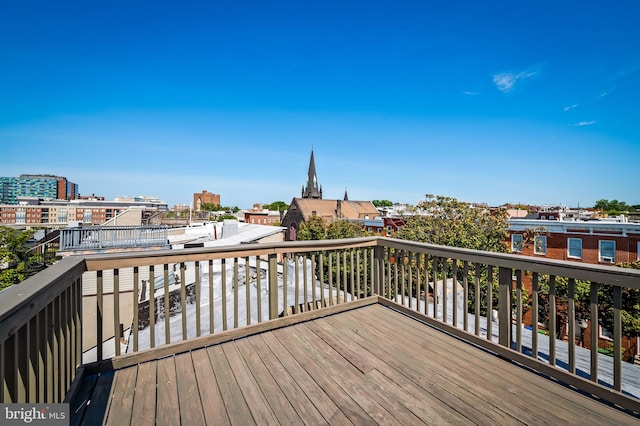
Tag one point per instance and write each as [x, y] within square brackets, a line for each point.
[467, 92]
[585, 123]
[506, 81]
[570, 107]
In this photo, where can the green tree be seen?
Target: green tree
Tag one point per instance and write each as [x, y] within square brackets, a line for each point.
[222, 217]
[382, 203]
[613, 207]
[277, 205]
[454, 223]
[449, 222]
[210, 207]
[315, 228]
[13, 255]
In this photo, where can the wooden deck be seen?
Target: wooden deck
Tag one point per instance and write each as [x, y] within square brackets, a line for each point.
[365, 365]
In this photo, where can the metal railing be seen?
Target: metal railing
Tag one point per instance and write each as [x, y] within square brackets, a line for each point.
[146, 300]
[109, 237]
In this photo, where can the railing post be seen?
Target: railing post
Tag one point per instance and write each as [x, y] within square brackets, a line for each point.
[378, 253]
[504, 307]
[273, 286]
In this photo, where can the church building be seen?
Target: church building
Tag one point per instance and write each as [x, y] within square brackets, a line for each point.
[312, 204]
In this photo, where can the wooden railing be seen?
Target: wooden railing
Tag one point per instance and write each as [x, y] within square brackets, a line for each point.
[145, 300]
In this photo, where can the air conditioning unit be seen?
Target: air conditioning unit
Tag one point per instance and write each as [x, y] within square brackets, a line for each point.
[607, 259]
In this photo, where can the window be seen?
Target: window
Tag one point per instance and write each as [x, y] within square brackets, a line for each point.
[516, 242]
[540, 244]
[574, 246]
[605, 333]
[607, 251]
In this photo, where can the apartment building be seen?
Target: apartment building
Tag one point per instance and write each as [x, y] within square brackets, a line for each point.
[36, 212]
[40, 186]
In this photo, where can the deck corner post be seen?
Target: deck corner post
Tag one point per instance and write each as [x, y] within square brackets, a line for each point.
[504, 306]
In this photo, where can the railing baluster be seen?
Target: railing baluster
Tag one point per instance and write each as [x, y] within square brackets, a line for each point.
[42, 351]
[476, 304]
[198, 291]
[400, 274]
[116, 311]
[167, 301]
[330, 277]
[505, 283]
[358, 290]
[273, 286]
[212, 321]
[409, 266]
[312, 281]
[519, 310]
[490, 301]
[395, 279]
[418, 282]
[33, 361]
[465, 289]
[183, 301]
[236, 284]
[352, 275]
[223, 289]
[436, 260]
[445, 290]
[296, 270]
[21, 364]
[285, 278]
[571, 323]
[136, 299]
[454, 287]
[99, 316]
[258, 288]
[321, 268]
[617, 338]
[236, 289]
[305, 283]
[534, 315]
[552, 320]
[594, 324]
[152, 307]
[339, 291]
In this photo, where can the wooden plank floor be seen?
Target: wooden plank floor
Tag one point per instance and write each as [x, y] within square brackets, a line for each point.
[363, 366]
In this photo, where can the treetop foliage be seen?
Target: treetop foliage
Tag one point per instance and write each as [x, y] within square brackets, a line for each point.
[454, 223]
[13, 249]
[276, 206]
[614, 207]
[316, 228]
[382, 203]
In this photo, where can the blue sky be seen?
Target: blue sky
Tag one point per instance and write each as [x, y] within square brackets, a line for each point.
[497, 102]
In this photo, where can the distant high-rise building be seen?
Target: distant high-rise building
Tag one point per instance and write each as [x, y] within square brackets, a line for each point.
[39, 186]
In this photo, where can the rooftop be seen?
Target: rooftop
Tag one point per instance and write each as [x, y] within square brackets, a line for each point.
[361, 362]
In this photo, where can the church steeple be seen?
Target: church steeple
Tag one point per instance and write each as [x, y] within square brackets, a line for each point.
[312, 190]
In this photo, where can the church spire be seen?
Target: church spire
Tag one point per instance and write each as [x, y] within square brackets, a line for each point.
[312, 190]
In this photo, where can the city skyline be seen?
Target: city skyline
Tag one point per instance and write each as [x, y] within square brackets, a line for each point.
[484, 103]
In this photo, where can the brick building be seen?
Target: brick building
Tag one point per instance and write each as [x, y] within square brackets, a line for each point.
[604, 242]
[205, 197]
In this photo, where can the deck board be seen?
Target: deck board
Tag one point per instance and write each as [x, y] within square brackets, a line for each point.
[362, 366]
[212, 404]
[518, 384]
[191, 412]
